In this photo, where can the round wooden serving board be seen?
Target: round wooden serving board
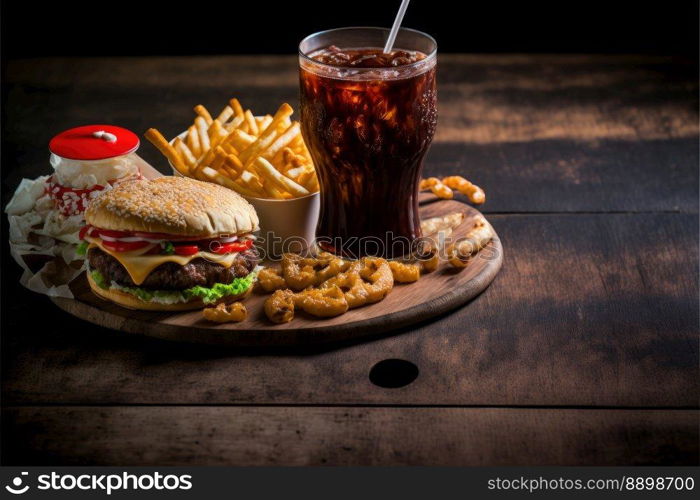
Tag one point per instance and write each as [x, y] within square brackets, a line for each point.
[434, 294]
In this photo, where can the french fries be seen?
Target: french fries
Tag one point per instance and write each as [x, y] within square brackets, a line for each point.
[167, 149]
[256, 156]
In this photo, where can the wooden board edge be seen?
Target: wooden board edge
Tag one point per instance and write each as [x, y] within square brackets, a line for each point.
[297, 336]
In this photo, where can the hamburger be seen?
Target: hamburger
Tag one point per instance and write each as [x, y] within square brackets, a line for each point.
[170, 244]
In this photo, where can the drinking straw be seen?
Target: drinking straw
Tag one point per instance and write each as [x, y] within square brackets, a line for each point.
[395, 28]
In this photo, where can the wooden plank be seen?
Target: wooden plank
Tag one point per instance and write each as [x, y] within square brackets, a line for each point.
[558, 175]
[596, 310]
[255, 436]
[540, 133]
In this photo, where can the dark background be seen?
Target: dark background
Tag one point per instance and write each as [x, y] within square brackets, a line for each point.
[130, 27]
[617, 175]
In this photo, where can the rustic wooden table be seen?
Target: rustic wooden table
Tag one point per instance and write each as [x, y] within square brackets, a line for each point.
[583, 351]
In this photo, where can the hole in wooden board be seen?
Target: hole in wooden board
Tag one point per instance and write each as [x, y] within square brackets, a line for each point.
[393, 373]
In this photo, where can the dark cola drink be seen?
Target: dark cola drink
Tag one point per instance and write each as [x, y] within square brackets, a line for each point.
[368, 119]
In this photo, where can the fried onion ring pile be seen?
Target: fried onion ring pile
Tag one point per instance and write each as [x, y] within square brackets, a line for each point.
[363, 282]
[326, 285]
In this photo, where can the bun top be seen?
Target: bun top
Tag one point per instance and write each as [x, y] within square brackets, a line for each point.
[173, 205]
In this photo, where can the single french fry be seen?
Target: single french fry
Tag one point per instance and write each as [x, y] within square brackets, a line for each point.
[252, 181]
[266, 138]
[285, 156]
[235, 123]
[272, 192]
[197, 174]
[292, 159]
[304, 178]
[312, 184]
[240, 140]
[236, 106]
[217, 137]
[261, 143]
[204, 161]
[178, 153]
[219, 158]
[203, 112]
[264, 123]
[281, 141]
[299, 148]
[269, 190]
[296, 173]
[225, 114]
[214, 131]
[305, 153]
[202, 130]
[157, 139]
[252, 124]
[228, 171]
[298, 144]
[184, 151]
[193, 141]
[222, 134]
[212, 175]
[233, 161]
[283, 124]
[228, 147]
[278, 180]
[208, 173]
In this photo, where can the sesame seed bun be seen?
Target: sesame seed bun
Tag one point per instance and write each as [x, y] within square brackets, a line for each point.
[173, 205]
[130, 301]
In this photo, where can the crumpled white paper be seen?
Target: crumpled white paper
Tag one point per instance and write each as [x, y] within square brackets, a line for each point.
[40, 234]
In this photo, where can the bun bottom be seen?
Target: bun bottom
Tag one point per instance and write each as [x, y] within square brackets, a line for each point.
[130, 301]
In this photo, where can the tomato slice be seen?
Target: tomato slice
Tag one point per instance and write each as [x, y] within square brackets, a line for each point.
[245, 244]
[163, 236]
[236, 246]
[113, 234]
[124, 246]
[83, 231]
[186, 250]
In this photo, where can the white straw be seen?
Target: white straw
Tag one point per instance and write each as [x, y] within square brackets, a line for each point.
[395, 28]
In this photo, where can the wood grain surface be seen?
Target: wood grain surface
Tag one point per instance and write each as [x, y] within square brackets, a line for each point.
[584, 350]
[539, 133]
[161, 436]
[582, 313]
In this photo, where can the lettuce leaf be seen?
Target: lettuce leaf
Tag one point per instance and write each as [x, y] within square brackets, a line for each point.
[82, 248]
[208, 295]
[219, 290]
[168, 248]
[99, 279]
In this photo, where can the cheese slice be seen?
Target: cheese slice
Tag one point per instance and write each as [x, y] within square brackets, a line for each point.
[139, 266]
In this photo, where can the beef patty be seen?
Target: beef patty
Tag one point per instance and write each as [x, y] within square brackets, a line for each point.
[173, 276]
